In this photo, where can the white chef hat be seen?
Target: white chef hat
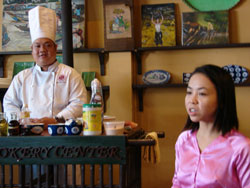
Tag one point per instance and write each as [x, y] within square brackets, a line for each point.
[42, 22]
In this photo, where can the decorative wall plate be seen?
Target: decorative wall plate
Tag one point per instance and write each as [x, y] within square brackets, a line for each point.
[186, 77]
[238, 73]
[156, 77]
[211, 5]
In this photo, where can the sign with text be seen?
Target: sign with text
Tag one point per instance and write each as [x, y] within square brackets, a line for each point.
[63, 150]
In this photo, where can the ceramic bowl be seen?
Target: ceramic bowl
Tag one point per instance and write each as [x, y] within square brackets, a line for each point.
[73, 127]
[56, 129]
[35, 128]
[114, 127]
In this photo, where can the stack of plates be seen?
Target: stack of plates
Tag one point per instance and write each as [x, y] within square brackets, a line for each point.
[238, 73]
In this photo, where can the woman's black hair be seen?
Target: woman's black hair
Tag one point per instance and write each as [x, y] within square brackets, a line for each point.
[226, 114]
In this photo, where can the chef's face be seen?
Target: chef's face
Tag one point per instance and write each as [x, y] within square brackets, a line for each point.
[201, 99]
[44, 52]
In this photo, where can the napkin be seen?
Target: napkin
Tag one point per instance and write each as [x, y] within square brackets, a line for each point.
[151, 154]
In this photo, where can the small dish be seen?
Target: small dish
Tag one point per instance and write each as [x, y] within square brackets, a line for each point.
[156, 77]
[73, 127]
[114, 127]
[35, 128]
[56, 129]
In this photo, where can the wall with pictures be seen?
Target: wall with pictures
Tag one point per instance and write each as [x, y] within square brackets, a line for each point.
[163, 107]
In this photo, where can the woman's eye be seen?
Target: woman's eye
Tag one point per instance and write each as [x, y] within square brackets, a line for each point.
[202, 94]
[189, 93]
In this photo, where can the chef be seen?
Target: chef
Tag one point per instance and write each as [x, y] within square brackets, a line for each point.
[51, 90]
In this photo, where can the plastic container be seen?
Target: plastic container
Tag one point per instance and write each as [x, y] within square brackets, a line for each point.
[109, 118]
[114, 127]
[92, 119]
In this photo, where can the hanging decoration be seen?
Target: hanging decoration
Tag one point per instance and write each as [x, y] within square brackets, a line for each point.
[211, 5]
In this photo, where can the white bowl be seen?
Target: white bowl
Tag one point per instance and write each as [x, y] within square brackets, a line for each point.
[114, 127]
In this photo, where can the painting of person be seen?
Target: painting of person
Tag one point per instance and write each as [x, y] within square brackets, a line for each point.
[158, 33]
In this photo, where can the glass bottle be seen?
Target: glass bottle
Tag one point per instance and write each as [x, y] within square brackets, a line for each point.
[13, 125]
[97, 96]
[3, 124]
[25, 116]
[96, 92]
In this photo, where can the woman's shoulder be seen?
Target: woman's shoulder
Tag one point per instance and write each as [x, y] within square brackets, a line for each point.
[185, 135]
[238, 141]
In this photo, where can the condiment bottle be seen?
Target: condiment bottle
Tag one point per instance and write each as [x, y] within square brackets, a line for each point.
[96, 92]
[25, 116]
[3, 124]
[97, 96]
[13, 125]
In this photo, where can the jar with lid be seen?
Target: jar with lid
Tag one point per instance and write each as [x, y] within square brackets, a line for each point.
[13, 125]
[3, 124]
[92, 119]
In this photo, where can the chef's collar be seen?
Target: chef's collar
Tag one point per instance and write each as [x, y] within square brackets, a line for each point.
[51, 68]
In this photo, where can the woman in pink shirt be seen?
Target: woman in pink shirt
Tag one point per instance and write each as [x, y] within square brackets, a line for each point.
[210, 152]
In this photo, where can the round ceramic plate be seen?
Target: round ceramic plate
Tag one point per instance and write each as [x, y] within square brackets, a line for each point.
[238, 73]
[211, 5]
[156, 77]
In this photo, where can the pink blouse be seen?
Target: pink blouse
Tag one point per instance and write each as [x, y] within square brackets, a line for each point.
[225, 163]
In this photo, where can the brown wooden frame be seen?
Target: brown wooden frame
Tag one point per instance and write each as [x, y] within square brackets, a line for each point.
[119, 44]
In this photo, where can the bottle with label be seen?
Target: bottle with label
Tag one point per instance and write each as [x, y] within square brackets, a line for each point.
[97, 97]
[3, 124]
[13, 125]
[96, 93]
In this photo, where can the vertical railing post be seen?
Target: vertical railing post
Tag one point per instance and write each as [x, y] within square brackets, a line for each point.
[67, 44]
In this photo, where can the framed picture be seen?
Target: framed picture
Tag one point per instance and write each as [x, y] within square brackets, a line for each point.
[19, 66]
[203, 28]
[118, 25]
[15, 27]
[158, 25]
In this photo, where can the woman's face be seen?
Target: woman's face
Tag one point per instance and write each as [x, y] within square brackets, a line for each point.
[201, 99]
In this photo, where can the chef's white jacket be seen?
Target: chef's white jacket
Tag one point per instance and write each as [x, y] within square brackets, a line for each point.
[60, 91]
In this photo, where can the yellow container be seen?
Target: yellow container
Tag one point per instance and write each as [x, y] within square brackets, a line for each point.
[92, 119]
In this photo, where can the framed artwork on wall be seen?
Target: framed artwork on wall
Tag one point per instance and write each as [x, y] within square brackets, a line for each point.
[118, 25]
[204, 28]
[15, 27]
[158, 25]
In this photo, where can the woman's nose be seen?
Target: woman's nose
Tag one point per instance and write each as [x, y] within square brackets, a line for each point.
[193, 99]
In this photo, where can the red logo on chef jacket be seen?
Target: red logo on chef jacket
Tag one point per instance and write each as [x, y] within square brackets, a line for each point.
[61, 79]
